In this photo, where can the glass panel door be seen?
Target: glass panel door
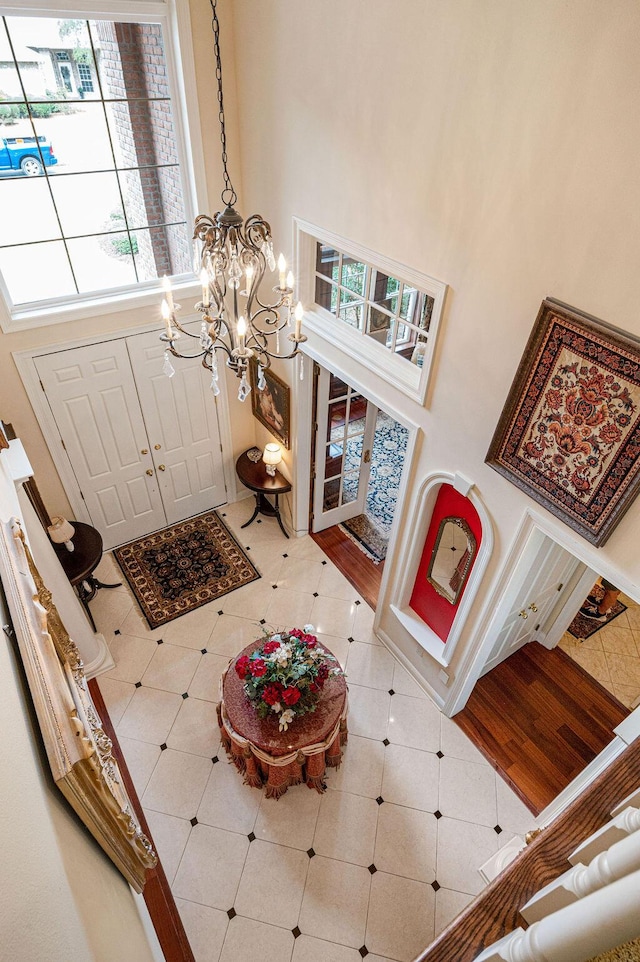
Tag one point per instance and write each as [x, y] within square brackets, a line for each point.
[345, 425]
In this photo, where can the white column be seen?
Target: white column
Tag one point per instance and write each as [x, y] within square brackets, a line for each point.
[624, 824]
[621, 859]
[594, 924]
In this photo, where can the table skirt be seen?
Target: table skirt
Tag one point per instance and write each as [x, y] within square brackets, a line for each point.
[277, 772]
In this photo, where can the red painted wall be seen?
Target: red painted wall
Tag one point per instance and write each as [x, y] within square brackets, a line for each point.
[435, 610]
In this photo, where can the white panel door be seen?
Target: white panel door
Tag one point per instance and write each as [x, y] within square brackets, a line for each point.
[93, 398]
[182, 424]
[545, 569]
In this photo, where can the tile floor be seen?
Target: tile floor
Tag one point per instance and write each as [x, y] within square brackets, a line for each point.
[612, 654]
[376, 866]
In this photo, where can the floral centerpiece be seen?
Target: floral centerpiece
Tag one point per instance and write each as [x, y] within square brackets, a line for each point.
[286, 674]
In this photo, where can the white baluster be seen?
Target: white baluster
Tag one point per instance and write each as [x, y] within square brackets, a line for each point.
[619, 860]
[624, 824]
[599, 922]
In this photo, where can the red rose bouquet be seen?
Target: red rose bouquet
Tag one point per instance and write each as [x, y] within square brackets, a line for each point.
[286, 674]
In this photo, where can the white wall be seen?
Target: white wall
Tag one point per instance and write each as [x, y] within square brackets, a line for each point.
[492, 145]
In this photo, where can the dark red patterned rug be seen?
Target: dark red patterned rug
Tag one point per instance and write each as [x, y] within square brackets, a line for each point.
[183, 567]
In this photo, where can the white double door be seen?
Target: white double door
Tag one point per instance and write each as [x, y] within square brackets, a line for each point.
[145, 448]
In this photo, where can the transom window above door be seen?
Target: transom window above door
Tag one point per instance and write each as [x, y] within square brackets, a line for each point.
[382, 313]
[392, 312]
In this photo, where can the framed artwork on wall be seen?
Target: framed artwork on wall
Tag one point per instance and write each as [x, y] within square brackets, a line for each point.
[569, 433]
[272, 405]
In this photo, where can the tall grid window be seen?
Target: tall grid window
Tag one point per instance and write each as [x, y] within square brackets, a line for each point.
[90, 184]
[384, 308]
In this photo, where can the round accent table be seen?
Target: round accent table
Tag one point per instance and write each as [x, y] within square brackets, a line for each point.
[253, 475]
[274, 759]
[79, 564]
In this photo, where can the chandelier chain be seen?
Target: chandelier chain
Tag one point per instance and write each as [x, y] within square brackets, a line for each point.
[229, 196]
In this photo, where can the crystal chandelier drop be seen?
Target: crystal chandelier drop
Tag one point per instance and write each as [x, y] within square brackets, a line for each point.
[231, 257]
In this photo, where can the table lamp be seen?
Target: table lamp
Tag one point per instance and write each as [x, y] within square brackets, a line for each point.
[271, 456]
[62, 531]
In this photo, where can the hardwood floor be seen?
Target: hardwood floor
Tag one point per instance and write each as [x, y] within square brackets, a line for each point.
[353, 563]
[540, 719]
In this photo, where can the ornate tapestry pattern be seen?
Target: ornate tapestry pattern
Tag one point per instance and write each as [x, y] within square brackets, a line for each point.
[569, 434]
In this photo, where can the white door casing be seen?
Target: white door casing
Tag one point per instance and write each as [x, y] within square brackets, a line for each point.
[332, 466]
[92, 395]
[181, 419]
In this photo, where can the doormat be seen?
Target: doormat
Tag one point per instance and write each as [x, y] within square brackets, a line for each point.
[582, 627]
[371, 539]
[183, 567]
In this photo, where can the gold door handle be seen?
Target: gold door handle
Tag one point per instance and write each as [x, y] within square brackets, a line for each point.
[523, 614]
[156, 447]
[533, 607]
[149, 472]
[144, 451]
[161, 467]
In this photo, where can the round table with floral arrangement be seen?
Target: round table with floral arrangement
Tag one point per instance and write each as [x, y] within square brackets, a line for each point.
[283, 711]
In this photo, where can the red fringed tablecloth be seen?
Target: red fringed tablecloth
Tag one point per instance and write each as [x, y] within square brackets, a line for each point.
[275, 759]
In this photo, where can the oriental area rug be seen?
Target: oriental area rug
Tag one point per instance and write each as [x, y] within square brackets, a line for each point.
[183, 567]
[582, 627]
[370, 531]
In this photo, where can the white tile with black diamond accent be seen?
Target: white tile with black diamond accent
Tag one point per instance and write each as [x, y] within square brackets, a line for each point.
[247, 939]
[414, 723]
[205, 684]
[211, 867]
[171, 667]
[142, 758]
[401, 916]
[291, 822]
[336, 901]
[337, 645]
[117, 695]
[370, 666]
[131, 656]
[468, 791]
[380, 837]
[177, 784]
[333, 618]
[226, 803]
[273, 883]
[308, 949]
[297, 574]
[150, 715]
[170, 836]
[346, 827]
[195, 728]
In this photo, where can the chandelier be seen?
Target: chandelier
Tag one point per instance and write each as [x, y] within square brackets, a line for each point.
[231, 257]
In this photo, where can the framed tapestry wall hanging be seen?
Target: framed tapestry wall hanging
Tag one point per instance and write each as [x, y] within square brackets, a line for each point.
[569, 433]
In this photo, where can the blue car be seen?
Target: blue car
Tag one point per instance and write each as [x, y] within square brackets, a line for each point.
[28, 154]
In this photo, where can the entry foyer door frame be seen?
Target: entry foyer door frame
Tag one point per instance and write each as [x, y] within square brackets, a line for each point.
[26, 364]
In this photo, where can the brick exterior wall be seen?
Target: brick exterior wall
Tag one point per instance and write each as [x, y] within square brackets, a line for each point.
[132, 67]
